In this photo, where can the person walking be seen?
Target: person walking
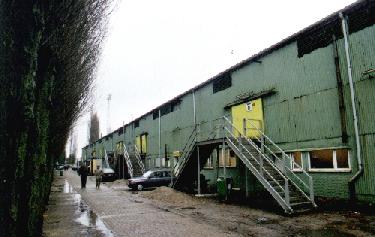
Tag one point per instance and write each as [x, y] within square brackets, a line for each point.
[83, 172]
[98, 176]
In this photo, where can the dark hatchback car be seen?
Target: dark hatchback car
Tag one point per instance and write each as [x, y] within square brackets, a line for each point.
[152, 178]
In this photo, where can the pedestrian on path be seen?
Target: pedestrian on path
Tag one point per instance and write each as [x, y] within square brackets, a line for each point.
[83, 172]
[98, 176]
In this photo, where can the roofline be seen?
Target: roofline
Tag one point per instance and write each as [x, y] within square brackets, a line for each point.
[259, 55]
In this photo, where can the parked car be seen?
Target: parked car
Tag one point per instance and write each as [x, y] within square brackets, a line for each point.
[152, 178]
[60, 167]
[74, 167]
[108, 174]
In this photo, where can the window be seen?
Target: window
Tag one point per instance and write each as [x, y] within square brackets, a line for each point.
[328, 159]
[165, 109]
[155, 114]
[209, 163]
[296, 156]
[136, 124]
[221, 83]
[230, 158]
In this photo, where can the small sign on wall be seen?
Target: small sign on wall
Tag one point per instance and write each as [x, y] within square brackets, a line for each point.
[249, 106]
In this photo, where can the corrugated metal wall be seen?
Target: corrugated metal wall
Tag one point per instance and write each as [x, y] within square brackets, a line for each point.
[304, 113]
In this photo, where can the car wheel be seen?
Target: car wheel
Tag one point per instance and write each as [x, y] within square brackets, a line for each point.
[140, 187]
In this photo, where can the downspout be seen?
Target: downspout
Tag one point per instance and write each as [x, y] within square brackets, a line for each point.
[194, 110]
[159, 139]
[355, 117]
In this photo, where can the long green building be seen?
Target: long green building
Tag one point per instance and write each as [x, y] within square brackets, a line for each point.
[295, 121]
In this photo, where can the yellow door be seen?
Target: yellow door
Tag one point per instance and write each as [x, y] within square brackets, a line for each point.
[252, 111]
[138, 142]
[144, 144]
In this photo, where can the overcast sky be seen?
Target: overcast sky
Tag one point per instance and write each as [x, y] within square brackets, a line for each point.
[156, 50]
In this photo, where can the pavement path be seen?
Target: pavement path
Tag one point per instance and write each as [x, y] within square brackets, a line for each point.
[126, 214]
[114, 210]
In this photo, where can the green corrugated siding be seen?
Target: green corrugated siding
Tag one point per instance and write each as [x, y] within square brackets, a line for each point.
[304, 113]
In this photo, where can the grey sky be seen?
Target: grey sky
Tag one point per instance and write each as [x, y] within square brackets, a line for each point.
[158, 49]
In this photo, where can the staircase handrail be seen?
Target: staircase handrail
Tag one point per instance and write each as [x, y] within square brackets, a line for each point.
[128, 162]
[309, 186]
[280, 198]
[106, 159]
[252, 156]
[186, 149]
[258, 150]
[138, 158]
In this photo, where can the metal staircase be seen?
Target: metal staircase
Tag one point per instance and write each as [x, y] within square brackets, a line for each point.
[139, 166]
[186, 153]
[133, 162]
[128, 162]
[272, 167]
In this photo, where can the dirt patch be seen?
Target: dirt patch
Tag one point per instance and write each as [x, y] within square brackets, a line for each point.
[249, 221]
[173, 197]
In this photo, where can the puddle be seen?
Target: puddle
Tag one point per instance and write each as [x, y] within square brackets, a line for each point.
[94, 225]
[89, 219]
[329, 232]
[67, 187]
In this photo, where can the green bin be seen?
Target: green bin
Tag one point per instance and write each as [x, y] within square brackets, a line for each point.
[221, 188]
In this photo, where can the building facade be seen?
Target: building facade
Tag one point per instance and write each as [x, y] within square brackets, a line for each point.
[298, 92]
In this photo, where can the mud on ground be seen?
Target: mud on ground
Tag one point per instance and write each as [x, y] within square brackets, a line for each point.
[247, 221]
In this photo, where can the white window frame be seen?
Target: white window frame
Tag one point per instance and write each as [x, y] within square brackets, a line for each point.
[335, 168]
[209, 163]
[291, 155]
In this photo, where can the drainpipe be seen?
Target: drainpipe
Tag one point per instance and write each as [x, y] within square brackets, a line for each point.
[355, 118]
[123, 157]
[159, 138]
[194, 110]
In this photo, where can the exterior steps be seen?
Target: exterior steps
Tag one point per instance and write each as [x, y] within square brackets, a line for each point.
[133, 162]
[294, 193]
[137, 169]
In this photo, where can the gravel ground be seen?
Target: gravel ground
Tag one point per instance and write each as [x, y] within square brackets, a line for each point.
[166, 212]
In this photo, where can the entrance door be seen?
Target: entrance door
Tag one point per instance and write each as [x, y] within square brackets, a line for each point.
[141, 142]
[252, 111]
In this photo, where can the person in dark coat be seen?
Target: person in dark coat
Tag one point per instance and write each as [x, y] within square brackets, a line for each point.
[83, 172]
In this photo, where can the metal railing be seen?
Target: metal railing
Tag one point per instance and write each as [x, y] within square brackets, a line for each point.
[138, 158]
[256, 164]
[105, 160]
[303, 181]
[185, 153]
[128, 162]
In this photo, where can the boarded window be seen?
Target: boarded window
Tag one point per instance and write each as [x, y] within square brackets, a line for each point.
[175, 105]
[221, 83]
[330, 159]
[320, 35]
[342, 158]
[155, 114]
[321, 159]
[136, 123]
[230, 158]
[165, 109]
